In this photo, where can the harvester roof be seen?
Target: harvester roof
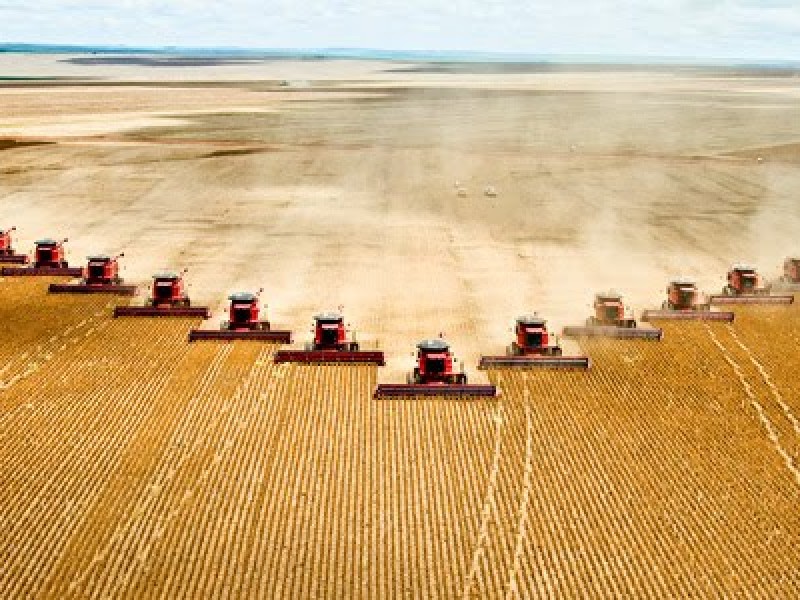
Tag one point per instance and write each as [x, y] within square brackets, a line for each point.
[166, 276]
[99, 258]
[683, 281]
[433, 345]
[531, 320]
[242, 297]
[46, 242]
[743, 268]
[328, 317]
[609, 296]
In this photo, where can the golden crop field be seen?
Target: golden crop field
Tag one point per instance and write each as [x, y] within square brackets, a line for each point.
[136, 465]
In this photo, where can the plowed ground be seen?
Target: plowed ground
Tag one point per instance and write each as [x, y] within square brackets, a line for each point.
[133, 464]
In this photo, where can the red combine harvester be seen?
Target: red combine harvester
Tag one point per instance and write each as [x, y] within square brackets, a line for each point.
[683, 303]
[534, 346]
[434, 375]
[790, 280]
[101, 276]
[244, 323]
[330, 345]
[746, 286]
[49, 260]
[611, 319]
[168, 299]
[7, 254]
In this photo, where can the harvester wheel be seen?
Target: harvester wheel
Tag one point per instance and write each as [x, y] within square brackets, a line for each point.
[353, 346]
[557, 351]
[461, 378]
[263, 326]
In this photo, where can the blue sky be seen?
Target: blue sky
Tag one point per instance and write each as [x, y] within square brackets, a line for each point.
[754, 29]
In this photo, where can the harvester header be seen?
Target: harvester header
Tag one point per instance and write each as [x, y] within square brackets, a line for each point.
[534, 346]
[330, 345]
[244, 323]
[435, 375]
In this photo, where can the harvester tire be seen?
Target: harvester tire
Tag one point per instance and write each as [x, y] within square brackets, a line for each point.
[353, 346]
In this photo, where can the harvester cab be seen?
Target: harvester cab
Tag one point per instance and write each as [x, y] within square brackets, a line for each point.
[244, 313]
[244, 323]
[743, 280]
[435, 364]
[168, 290]
[435, 375]
[330, 333]
[612, 319]
[102, 270]
[682, 294]
[50, 254]
[746, 286]
[7, 254]
[330, 345]
[534, 346]
[610, 310]
[101, 276]
[532, 337]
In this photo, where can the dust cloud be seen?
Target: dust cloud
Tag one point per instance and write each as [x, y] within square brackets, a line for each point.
[349, 198]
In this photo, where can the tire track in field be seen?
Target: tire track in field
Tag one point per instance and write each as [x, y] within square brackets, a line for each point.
[787, 411]
[122, 502]
[767, 424]
[488, 503]
[522, 519]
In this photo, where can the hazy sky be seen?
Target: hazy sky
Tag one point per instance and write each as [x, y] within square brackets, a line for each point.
[703, 28]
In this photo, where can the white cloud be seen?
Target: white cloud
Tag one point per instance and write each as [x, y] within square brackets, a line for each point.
[710, 28]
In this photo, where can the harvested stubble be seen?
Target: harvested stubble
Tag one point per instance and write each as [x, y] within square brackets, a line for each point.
[136, 465]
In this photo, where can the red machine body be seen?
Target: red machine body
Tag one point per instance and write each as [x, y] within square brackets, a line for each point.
[684, 303]
[435, 374]
[791, 270]
[244, 323]
[330, 345]
[790, 280]
[746, 286]
[7, 253]
[101, 276]
[611, 319]
[534, 346]
[168, 298]
[49, 260]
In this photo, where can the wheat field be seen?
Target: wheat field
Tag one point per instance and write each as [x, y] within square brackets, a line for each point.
[137, 465]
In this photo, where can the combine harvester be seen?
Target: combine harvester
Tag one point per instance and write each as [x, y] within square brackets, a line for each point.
[7, 254]
[534, 346]
[683, 303]
[611, 319]
[746, 286]
[435, 375]
[330, 345]
[243, 323]
[101, 276]
[168, 299]
[790, 280]
[49, 260]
